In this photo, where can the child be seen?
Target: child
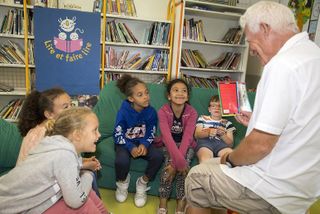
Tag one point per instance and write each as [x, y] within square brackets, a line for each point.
[177, 121]
[38, 109]
[214, 135]
[49, 179]
[134, 132]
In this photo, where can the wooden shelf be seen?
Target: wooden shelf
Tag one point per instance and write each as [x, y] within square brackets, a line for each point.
[213, 43]
[15, 65]
[15, 5]
[137, 45]
[215, 70]
[15, 36]
[15, 92]
[132, 18]
[112, 70]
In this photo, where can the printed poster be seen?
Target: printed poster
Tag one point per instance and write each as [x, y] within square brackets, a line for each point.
[67, 50]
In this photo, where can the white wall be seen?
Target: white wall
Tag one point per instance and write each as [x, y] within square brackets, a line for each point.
[152, 9]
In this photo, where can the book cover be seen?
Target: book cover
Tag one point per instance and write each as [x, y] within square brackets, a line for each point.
[228, 94]
[233, 97]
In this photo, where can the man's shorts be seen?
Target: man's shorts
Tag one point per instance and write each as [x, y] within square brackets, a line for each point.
[207, 186]
[214, 144]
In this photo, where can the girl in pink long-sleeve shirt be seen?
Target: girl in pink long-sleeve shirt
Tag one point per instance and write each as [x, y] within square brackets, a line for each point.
[177, 120]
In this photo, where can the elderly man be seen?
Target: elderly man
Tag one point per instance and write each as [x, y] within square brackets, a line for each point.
[276, 167]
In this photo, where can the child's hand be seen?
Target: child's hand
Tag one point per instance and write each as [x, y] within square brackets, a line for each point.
[212, 132]
[142, 150]
[184, 171]
[169, 173]
[221, 131]
[91, 163]
[135, 152]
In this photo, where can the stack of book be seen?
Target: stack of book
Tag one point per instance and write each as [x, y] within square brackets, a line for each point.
[157, 34]
[124, 60]
[12, 22]
[193, 30]
[119, 32]
[193, 59]
[226, 61]
[12, 110]
[117, 7]
[201, 82]
[11, 53]
[233, 36]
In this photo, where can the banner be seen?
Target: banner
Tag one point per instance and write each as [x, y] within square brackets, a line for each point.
[67, 50]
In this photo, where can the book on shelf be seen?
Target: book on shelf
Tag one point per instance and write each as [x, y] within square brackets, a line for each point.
[193, 30]
[12, 109]
[5, 87]
[117, 7]
[233, 36]
[82, 5]
[158, 61]
[233, 97]
[202, 82]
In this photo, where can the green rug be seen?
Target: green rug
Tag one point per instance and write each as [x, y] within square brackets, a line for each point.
[129, 207]
[152, 204]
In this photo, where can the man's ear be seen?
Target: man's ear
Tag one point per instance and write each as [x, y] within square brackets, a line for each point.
[265, 29]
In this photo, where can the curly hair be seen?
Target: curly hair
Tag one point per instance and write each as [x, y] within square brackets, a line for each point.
[36, 103]
[126, 83]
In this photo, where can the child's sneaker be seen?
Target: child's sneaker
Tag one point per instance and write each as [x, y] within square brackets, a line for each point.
[140, 198]
[162, 211]
[122, 189]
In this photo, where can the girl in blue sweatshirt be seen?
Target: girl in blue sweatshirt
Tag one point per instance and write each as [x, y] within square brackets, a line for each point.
[134, 133]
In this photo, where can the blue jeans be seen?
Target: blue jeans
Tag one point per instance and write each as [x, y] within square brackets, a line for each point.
[123, 160]
[95, 184]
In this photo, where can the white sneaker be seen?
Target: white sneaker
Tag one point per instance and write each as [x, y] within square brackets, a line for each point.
[162, 211]
[140, 198]
[122, 189]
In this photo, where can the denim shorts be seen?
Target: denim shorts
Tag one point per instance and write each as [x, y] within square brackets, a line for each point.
[214, 144]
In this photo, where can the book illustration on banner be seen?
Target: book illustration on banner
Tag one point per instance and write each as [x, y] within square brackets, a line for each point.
[68, 51]
[73, 43]
[233, 97]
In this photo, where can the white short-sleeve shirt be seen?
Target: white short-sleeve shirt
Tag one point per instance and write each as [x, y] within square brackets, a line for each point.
[287, 104]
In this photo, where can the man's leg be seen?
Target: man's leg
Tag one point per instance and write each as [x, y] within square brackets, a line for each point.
[207, 186]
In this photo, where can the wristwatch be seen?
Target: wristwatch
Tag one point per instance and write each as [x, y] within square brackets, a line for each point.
[228, 162]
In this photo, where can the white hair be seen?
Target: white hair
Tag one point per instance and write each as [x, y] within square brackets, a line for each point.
[279, 17]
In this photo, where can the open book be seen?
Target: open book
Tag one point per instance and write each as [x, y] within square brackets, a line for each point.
[233, 98]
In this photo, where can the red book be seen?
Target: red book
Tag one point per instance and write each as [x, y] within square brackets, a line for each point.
[228, 94]
[233, 98]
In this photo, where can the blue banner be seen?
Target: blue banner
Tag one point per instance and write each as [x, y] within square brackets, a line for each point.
[67, 50]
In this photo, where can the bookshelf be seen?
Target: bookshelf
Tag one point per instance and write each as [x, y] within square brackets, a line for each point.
[20, 75]
[137, 44]
[211, 44]
[16, 34]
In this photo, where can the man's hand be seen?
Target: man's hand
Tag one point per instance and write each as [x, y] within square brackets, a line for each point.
[243, 117]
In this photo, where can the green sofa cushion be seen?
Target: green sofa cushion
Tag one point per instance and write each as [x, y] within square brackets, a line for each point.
[106, 109]
[10, 142]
